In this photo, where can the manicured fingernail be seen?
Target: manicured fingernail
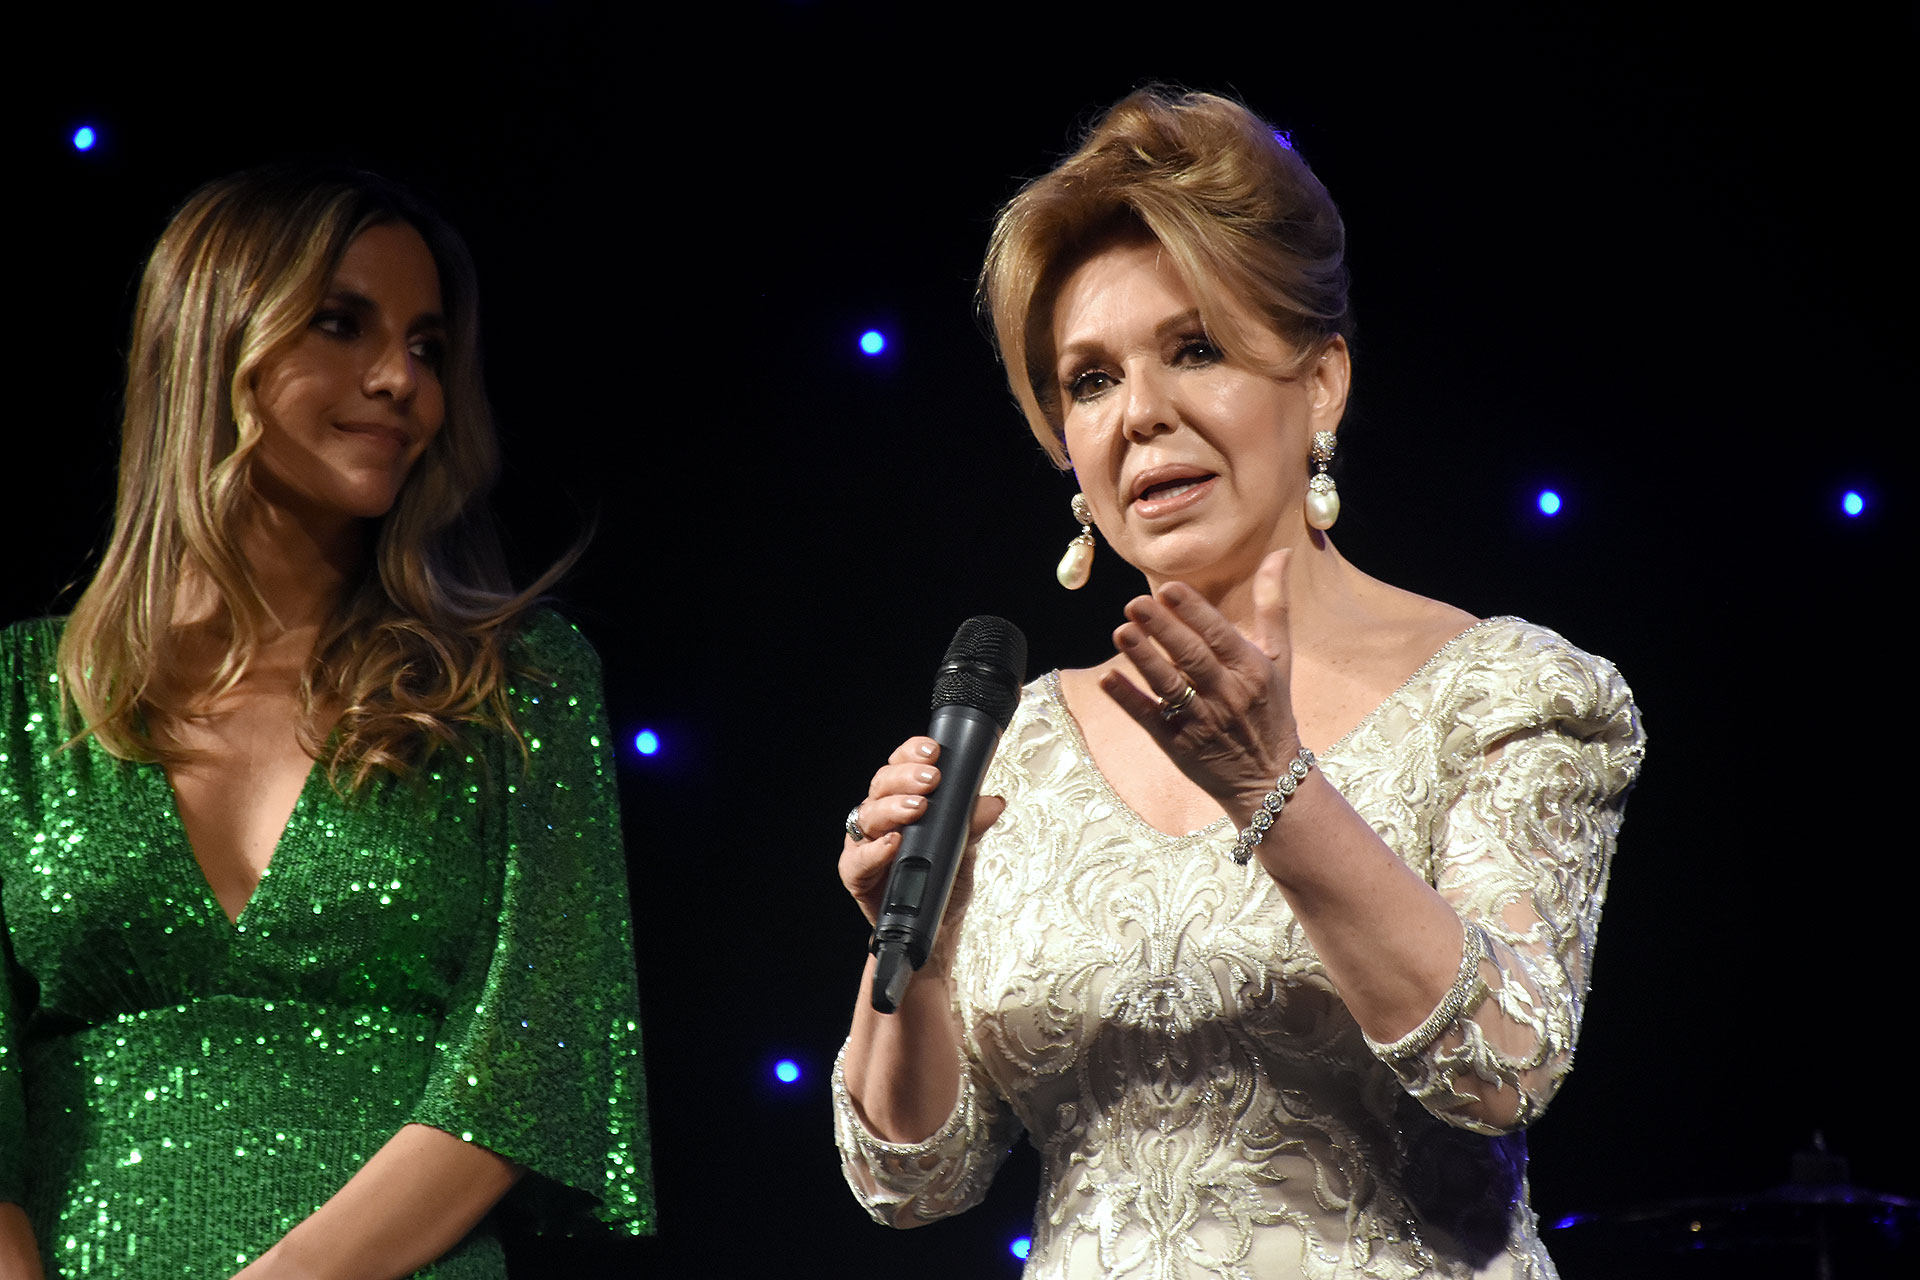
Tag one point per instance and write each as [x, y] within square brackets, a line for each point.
[914, 802]
[923, 775]
[925, 749]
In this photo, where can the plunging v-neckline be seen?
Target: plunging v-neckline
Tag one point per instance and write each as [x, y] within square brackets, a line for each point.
[169, 800]
[1052, 682]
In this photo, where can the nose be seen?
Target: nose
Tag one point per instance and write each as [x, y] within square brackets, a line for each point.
[1149, 408]
[392, 372]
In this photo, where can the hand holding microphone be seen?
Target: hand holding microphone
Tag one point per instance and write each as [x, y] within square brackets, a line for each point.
[920, 816]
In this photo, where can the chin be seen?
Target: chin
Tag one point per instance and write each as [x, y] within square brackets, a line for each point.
[364, 504]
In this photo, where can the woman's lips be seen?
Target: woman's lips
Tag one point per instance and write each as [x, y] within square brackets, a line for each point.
[393, 438]
[1172, 495]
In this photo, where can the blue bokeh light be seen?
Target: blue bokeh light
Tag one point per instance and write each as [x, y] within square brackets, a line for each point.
[786, 1071]
[646, 742]
[873, 342]
[1852, 503]
[84, 137]
[1549, 503]
[1284, 137]
[1021, 1247]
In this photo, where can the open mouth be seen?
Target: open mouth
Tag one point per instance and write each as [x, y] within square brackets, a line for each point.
[1170, 490]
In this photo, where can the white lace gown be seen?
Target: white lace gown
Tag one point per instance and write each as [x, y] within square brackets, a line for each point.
[1156, 1020]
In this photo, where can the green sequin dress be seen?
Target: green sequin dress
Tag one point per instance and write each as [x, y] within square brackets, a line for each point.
[178, 1090]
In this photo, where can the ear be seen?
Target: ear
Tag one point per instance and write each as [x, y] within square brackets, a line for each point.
[1328, 382]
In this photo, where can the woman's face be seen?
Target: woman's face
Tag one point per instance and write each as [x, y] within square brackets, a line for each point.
[352, 403]
[1194, 461]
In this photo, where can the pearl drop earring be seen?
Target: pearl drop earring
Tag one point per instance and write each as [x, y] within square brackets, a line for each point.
[1077, 565]
[1323, 499]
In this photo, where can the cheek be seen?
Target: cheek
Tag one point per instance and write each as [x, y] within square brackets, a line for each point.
[430, 407]
[276, 399]
[1082, 443]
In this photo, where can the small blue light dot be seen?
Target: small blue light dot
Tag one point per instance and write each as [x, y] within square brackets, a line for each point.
[84, 137]
[646, 742]
[1021, 1246]
[1549, 503]
[1285, 138]
[1852, 503]
[873, 342]
[786, 1071]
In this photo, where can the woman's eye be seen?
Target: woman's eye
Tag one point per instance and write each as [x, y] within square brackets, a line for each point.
[338, 323]
[1085, 386]
[431, 352]
[1198, 351]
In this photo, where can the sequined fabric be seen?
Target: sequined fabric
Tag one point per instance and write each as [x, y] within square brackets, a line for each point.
[1156, 1020]
[178, 1090]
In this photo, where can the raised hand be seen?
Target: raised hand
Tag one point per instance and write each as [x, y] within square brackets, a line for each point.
[1217, 702]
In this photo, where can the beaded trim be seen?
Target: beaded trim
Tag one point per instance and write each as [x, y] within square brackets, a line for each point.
[1468, 989]
[1270, 807]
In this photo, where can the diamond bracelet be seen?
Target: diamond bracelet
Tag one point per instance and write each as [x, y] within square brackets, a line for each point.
[1270, 807]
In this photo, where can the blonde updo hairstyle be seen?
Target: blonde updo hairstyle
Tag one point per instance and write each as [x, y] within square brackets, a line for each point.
[1234, 207]
[418, 647]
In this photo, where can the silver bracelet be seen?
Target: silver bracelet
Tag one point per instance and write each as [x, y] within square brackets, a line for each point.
[1270, 807]
[1468, 989]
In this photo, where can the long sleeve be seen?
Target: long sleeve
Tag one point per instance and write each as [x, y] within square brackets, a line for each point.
[1522, 853]
[13, 1110]
[13, 772]
[903, 1184]
[541, 1060]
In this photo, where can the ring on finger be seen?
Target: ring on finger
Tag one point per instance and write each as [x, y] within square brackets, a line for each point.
[1170, 708]
[853, 825]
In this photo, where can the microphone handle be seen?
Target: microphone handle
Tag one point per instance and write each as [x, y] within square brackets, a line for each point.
[921, 880]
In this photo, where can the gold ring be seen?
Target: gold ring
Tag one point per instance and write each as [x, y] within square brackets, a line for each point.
[1171, 710]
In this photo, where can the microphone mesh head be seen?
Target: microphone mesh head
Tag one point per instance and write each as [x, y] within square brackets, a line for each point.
[985, 666]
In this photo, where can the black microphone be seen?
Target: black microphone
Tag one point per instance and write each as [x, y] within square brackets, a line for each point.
[973, 699]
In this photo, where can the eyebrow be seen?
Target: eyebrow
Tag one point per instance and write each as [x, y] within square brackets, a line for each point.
[1185, 322]
[357, 301]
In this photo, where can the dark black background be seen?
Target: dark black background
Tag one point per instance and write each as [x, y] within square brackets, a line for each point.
[1661, 264]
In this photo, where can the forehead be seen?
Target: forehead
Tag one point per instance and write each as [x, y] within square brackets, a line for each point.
[1129, 280]
[390, 264]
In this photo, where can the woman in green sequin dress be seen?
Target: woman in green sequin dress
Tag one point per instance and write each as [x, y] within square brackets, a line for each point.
[316, 935]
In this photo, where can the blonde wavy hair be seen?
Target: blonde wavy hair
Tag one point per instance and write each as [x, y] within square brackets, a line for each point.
[1239, 212]
[418, 647]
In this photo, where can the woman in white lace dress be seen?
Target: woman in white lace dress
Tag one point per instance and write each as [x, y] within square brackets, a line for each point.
[1281, 919]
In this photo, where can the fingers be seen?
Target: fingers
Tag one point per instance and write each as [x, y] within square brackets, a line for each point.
[921, 750]
[1176, 638]
[1142, 707]
[1135, 639]
[896, 797]
[863, 870]
[986, 812]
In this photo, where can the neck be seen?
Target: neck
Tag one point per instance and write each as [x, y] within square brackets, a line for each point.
[1320, 584]
[301, 570]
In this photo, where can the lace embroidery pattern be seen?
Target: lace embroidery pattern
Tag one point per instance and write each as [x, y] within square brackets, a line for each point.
[1157, 1021]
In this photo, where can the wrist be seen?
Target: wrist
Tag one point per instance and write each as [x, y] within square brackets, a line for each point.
[1265, 809]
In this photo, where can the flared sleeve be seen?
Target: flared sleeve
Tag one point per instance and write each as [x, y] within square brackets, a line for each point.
[540, 1060]
[1548, 744]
